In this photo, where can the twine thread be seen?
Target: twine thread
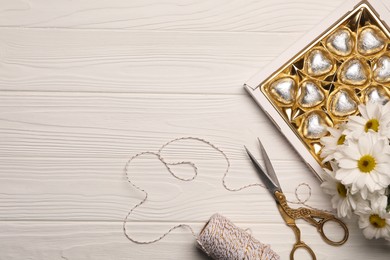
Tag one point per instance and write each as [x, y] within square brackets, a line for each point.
[223, 240]
[217, 223]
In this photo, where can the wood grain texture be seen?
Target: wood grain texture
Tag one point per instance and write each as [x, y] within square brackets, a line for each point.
[56, 172]
[134, 62]
[109, 125]
[85, 85]
[96, 190]
[69, 143]
[102, 240]
[172, 15]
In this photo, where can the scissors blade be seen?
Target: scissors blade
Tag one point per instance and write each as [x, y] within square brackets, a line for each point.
[268, 165]
[267, 180]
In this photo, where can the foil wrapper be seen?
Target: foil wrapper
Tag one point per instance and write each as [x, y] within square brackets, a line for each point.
[354, 71]
[376, 94]
[381, 69]
[349, 64]
[341, 42]
[315, 125]
[283, 90]
[342, 103]
[311, 94]
[318, 62]
[371, 40]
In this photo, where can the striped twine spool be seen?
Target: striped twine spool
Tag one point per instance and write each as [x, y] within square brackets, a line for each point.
[222, 240]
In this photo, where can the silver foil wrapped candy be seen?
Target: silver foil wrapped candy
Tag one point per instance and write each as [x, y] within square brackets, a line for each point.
[376, 94]
[382, 69]
[284, 90]
[311, 94]
[343, 103]
[370, 40]
[315, 125]
[318, 62]
[354, 71]
[340, 42]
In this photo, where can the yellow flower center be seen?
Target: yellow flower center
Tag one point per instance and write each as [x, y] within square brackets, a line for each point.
[366, 163]
[377, 221]
[341, 190]
[372, 124]
[341, 140]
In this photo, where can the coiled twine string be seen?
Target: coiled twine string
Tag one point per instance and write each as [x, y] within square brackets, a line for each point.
[219, 238]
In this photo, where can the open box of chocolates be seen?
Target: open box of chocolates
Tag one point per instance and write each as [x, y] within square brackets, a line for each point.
[320, 81]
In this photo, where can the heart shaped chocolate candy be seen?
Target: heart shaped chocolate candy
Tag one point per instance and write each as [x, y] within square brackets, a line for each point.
[283, 90]
[382, 69]
[311, 95]
[370, 40]
[340, 42]
[376, 94]
[315, 126]
[343, 103]
[354, 72]
[318, 62]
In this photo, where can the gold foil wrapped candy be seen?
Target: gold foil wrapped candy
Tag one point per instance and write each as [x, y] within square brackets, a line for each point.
[323, 84]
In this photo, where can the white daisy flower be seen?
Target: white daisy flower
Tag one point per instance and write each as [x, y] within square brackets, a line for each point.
[374, 117]
[374, 219]
[365, 165]
[331, 143]
[342, 200]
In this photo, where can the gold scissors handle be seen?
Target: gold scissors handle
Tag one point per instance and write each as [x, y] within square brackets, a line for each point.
[302, 245]
[316, 218]
[290, 215]
[299, 244]
[325, 219]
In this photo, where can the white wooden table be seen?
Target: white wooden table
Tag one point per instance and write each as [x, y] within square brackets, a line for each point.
[87, 84]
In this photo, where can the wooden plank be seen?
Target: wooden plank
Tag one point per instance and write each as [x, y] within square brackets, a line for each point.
[95, 189]
[84, 86]
[105, 240]
[62, 155]
[135, 62]
[170, 15]
[106, 125]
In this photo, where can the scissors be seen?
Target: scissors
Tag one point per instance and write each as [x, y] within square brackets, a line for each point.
[317, 218]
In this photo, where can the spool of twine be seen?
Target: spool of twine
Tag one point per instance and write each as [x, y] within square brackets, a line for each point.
[222, 240]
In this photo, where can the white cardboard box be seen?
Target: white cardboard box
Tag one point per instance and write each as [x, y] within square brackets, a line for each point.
[311, 38]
